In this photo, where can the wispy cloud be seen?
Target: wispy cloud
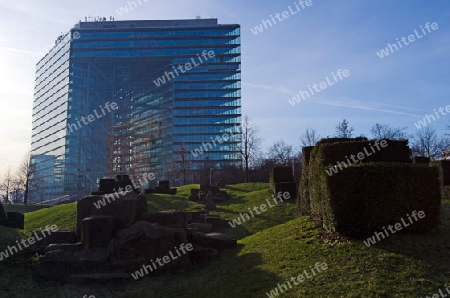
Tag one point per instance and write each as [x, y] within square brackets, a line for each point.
[276, 88]
[20, 51]
[364, 105]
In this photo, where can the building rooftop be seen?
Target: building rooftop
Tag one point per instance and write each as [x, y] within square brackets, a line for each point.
[101, 23]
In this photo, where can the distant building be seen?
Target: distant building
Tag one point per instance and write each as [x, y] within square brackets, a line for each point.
[116, 97]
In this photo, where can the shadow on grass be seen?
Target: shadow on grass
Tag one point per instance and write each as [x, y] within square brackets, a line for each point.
[238, 189]
[161, 203]
[432, 250]
[8, 236]
[238, 232]
[232, 201]
[232, 274]
[423, 246]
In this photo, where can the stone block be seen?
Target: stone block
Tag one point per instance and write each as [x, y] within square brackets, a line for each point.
[99, 278]
[3, 214]
[171, 218]
[15, 220]
[200, 227]
[57, 265]
[97, 231]
[64, 235]
[217, 241]
[124, 208]
[69, 247]
[149, 241]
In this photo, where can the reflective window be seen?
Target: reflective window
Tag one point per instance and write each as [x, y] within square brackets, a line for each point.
[78, 138]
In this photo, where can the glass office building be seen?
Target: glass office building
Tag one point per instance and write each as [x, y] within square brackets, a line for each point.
[134, 97]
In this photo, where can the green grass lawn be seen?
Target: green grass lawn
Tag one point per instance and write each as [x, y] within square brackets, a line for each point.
[273, 247]
[61, 215]
[248, 196]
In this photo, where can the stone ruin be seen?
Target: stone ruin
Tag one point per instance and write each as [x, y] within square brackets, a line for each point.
[11, 219]
[108, 186]
[209, 195]
[122, 236]
[164, 188]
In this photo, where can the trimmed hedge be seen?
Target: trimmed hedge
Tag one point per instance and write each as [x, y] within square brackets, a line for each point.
[280, 174]
[365, 198]
[443, 167]
[339, 140]
[444, 171]
[303, 202]
[445, 192]
[374, 192]
[421, 160]
[395, 151]
[289, 187]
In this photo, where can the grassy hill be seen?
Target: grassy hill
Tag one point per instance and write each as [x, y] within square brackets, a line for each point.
[273, 247]
[61, 215]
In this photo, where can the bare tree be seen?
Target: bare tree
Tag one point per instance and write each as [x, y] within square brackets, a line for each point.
[385, 131]
[261, 167]
[181, 165]
[6, 186]
[250, 145]
[426, 142]
[310, 137]
[344, 130]
[16, 194]
[281, 153]
[26, 177]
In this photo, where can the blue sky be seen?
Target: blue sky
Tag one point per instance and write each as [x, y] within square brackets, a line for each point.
[277, 63]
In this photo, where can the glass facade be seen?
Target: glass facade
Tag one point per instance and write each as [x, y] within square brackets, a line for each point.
[134, 97]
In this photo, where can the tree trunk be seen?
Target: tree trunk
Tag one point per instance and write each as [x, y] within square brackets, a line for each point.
[25, 194]
[246, 170]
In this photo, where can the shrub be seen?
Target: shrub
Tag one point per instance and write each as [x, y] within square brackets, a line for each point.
[443, 167]
[340, 140]
[289, 187]
[421, 160]
[280, 174]
[395, 151]
[368, 197]
[303, 202]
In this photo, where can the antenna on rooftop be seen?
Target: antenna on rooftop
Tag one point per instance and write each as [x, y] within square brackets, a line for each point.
[198, 17]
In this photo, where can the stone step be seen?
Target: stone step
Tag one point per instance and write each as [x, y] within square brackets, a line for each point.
[70, 247]
[99, 278]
